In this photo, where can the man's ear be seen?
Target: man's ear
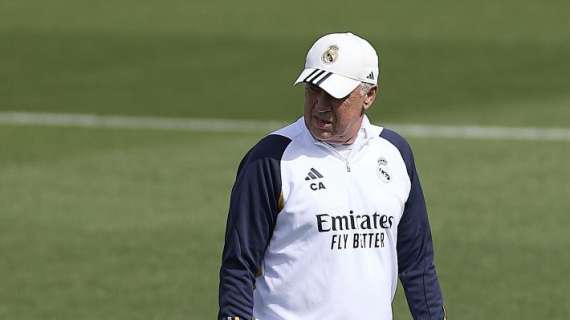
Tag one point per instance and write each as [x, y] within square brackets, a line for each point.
[370, 97]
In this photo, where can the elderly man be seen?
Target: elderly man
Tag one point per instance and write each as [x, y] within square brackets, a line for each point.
[326, 213]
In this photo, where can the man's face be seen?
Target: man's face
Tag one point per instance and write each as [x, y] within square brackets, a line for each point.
[335, 120]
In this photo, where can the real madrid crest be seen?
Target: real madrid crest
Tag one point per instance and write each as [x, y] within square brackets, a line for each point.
[330, 55]
[382, 170]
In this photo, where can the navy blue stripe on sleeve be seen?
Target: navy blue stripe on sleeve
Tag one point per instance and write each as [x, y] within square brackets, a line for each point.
[251, 220]
[416, 267]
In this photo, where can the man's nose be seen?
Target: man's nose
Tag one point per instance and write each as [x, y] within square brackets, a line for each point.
[323, 102]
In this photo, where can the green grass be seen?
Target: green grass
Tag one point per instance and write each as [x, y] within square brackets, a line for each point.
[480, 82]
[111, 229]
[128, 224]
[442, 61]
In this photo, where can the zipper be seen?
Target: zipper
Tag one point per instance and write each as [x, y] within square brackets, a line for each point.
[338, 154]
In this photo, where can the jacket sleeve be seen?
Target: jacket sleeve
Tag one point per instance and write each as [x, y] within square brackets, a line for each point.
[252, 215]
[416, 266]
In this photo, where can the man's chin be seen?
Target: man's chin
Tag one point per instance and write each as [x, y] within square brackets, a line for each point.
[320, 134]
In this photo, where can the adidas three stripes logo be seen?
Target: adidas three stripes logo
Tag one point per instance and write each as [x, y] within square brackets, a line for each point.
[317, 77]
[313, 175]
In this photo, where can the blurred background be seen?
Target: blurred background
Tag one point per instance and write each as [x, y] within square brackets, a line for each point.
[119, 222]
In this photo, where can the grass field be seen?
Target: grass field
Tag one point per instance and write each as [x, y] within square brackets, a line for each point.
[128, 224]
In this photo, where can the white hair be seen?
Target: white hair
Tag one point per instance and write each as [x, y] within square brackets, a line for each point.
[365, 87]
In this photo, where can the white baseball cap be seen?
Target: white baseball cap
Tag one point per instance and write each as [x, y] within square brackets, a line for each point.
[339, 62]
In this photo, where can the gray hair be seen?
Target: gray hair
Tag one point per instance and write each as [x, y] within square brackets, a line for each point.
[365, 87]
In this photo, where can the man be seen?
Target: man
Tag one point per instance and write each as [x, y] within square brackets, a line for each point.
[328, 212]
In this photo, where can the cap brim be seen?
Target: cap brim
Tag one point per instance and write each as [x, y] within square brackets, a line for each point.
[336, 85]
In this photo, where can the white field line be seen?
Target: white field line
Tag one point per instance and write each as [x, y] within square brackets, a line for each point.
[134, 122]
[226, 125]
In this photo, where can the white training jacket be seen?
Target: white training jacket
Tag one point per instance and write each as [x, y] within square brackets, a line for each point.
[313, 235]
